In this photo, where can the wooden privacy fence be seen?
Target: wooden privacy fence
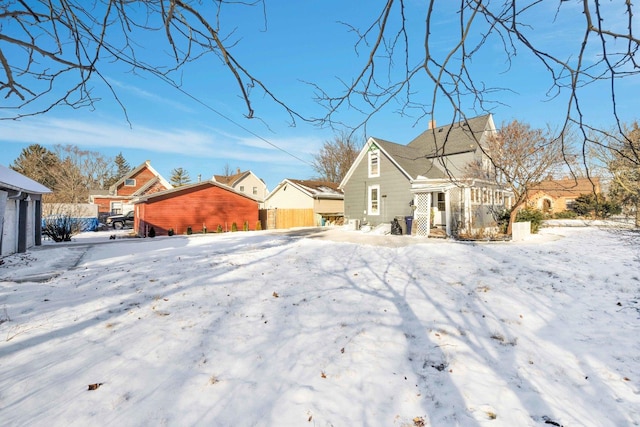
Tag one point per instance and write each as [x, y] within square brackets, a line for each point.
[286, 218]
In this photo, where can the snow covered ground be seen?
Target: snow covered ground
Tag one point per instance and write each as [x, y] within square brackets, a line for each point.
[323, 328]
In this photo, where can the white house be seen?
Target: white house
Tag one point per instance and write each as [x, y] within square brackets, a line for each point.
[20, 212]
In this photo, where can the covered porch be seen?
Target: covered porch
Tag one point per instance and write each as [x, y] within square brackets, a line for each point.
[446, 208]
[432, 207]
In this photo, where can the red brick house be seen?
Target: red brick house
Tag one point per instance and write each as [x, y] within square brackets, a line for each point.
[552, 196]
[118, 199]
[203, 205]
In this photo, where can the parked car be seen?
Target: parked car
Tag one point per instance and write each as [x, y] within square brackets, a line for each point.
[120, 221]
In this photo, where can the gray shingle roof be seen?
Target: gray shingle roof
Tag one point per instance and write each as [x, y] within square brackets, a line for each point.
[411, 160]
[456, 138]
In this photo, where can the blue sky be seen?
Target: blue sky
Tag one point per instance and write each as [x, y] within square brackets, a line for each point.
[203, 128]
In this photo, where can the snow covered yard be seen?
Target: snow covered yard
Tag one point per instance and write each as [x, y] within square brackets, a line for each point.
[297, 329]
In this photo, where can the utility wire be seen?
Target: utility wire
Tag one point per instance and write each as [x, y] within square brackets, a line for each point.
[229, 119]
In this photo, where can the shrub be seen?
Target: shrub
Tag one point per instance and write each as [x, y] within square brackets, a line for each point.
[534, 215]
[170, 232]
[502, 219]
[595, 205]
[258, 226]
[152, 232]
[245, 226]
[219, 229]
[60, 228]
[234, 227]
[565, 215]
[189, 230]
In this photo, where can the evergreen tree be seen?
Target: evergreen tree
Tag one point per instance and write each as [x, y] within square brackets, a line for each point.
[122, 168]
[38, 163]
[179, 177]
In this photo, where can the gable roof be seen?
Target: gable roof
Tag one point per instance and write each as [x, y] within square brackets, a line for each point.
[313, 188]
[231, 180]
[423, 155]
[142, 190]
[15, 181]
[567, 187]
[174, 190]
[412, 161]
[146, 164]
[318, 189]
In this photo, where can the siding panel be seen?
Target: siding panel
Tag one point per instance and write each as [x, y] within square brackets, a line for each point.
[393, 184]
[197, 207]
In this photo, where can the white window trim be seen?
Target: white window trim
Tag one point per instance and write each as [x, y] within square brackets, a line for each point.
[371, 153]
[370, 200]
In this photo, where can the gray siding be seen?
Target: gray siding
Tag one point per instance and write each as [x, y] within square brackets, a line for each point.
[393, 183]
[457, 164]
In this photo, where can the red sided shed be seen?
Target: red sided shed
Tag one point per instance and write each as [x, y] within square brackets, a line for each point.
[205, 204]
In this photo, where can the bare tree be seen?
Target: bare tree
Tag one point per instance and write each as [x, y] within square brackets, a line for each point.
[77, 172]
[619, 156]
[522, 157]
[50, 50]
[67, 170]
[395, 64]
[336, 156]
[228, 171]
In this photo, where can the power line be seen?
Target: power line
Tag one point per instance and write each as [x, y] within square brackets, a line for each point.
[229, 119]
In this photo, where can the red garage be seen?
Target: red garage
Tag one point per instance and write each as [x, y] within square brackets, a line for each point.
[205, 206]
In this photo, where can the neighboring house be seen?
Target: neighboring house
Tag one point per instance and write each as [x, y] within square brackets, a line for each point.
[118, 199]
[20, 212]
[202, 206]
[427, 181]
[553, 196]
[245, 182]
[297, 203]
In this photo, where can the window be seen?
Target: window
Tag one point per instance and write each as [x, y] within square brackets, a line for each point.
[255, 191]
[374, 200]
[242, 188]
[441, 204]
[116, 208]
[130, 182]
[374, 163]
[475, 195]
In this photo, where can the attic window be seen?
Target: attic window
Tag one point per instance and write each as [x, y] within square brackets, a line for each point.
[130, 182]
[374, 163]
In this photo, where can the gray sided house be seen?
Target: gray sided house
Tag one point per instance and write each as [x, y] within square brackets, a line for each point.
[429, 181]
[20, 212]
